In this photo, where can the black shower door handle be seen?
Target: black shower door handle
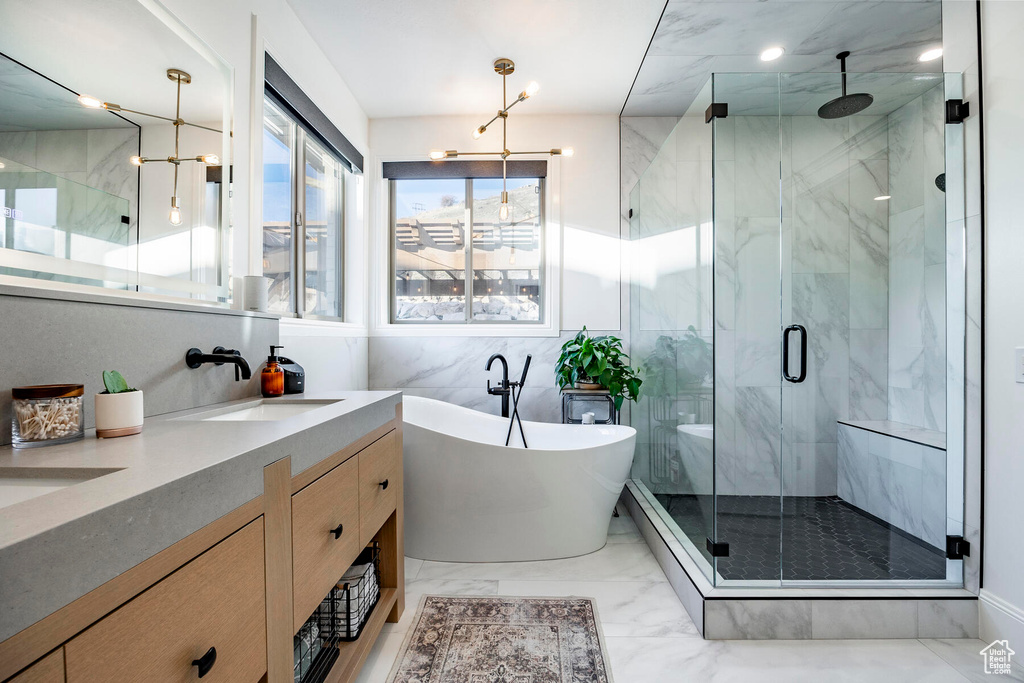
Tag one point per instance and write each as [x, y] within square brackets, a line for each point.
[803, 354]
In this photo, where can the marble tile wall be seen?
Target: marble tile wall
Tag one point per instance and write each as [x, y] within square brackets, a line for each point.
[901, 482]
[452, 369]
[96, 159]
[917, 266]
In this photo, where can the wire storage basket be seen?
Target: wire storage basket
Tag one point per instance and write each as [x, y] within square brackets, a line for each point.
[347, 607]
[340, 617]
[315, 652]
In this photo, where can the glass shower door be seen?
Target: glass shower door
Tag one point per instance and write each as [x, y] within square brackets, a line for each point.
[864, 331]
[838, 252]
[748, 317]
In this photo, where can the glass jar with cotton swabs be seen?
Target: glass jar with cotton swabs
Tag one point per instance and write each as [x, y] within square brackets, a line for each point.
[47, 414]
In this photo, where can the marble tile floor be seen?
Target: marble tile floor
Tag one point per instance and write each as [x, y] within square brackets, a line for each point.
[650, 638]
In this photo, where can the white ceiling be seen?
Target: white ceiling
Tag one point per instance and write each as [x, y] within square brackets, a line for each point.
[696, 38]
[433, 57]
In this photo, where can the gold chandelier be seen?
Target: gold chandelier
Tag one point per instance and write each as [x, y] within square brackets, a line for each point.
[180, 78]
[503, 67]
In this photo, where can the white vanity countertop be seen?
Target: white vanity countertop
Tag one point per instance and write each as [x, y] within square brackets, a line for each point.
[174, 478]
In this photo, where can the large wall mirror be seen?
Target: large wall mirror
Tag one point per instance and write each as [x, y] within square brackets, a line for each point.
[115, 148]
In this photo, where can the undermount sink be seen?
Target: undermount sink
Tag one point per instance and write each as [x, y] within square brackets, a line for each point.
[24, 483]
[261, 411]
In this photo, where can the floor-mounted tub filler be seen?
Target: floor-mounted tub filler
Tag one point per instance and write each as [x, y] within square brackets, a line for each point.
[470, 498]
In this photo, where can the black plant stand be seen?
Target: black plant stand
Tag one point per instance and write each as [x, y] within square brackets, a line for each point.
[575, 402]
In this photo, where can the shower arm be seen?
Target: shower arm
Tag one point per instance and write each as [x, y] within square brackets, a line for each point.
[842, 67]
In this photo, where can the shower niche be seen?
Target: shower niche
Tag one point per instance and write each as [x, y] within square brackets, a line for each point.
[799, 304]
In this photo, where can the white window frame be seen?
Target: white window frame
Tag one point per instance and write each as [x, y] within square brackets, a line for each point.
[298, 223]
[381, 259]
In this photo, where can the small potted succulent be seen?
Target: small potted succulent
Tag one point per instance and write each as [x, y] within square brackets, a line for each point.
[597, 363]
[119, 408]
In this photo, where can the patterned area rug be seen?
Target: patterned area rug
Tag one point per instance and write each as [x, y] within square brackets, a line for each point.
[503, 640]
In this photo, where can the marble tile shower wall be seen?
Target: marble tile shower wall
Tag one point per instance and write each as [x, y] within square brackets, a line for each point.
[917, 292]
[833, 271]
[94, 158]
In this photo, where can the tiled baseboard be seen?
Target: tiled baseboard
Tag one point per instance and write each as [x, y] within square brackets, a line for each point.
[801, 613]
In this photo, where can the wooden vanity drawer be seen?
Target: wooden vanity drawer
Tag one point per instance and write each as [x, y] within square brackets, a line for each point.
[217, 600]
[49, 669]
[325, 536]
[378, 484]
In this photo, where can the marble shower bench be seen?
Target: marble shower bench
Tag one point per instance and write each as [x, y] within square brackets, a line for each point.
[896, 472]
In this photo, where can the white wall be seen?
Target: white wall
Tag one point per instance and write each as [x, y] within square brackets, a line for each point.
[588, 191]
[333, 359]
[451, 368]
[1003, 581]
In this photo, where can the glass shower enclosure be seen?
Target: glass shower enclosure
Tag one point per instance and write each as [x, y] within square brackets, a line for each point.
[797, 306]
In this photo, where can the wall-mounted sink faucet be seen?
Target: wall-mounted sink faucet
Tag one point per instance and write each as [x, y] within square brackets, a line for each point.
[503, 388]
[194, 358]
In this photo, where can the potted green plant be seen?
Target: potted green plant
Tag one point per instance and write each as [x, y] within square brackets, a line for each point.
[119, 408]
[597, 363]
[677, 364]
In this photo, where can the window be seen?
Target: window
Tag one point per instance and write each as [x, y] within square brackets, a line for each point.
[434, 254]
[301, 207]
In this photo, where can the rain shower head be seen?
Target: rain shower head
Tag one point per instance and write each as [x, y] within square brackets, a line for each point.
[845, 105]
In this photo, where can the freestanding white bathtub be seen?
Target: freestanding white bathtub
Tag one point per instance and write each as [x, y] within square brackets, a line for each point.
[470, 498]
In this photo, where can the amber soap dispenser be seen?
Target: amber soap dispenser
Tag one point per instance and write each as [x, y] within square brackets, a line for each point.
[272, 377]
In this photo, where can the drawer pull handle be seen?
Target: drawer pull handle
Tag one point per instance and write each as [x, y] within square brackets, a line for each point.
[383, 485]
[337, 531]
[206, 662]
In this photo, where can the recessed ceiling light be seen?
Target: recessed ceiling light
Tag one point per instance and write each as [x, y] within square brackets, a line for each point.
[929, 55]
[883, 197]
[772, 53]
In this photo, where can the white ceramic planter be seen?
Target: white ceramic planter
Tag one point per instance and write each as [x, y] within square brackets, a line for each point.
[118, 414]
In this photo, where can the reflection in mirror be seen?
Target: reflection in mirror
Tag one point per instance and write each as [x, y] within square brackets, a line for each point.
[70, 199]
[116, 170]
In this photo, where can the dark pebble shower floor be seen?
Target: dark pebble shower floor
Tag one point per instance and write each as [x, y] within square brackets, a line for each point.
[822, 538]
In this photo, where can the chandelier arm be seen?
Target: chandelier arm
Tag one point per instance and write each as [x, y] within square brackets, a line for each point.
[166, 118]
[196, 125]
[142, 113]
[479, 154]
[506, 109]
[543, 151]
[486, 125]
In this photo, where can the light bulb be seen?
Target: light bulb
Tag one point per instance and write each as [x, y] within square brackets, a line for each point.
[174, 217]
[564, 152]
[135, 160]
[210, 159]
[532, 89]
[437, 155]
[479, 132]
[90, 101]
[504, 212]
[929, 55]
